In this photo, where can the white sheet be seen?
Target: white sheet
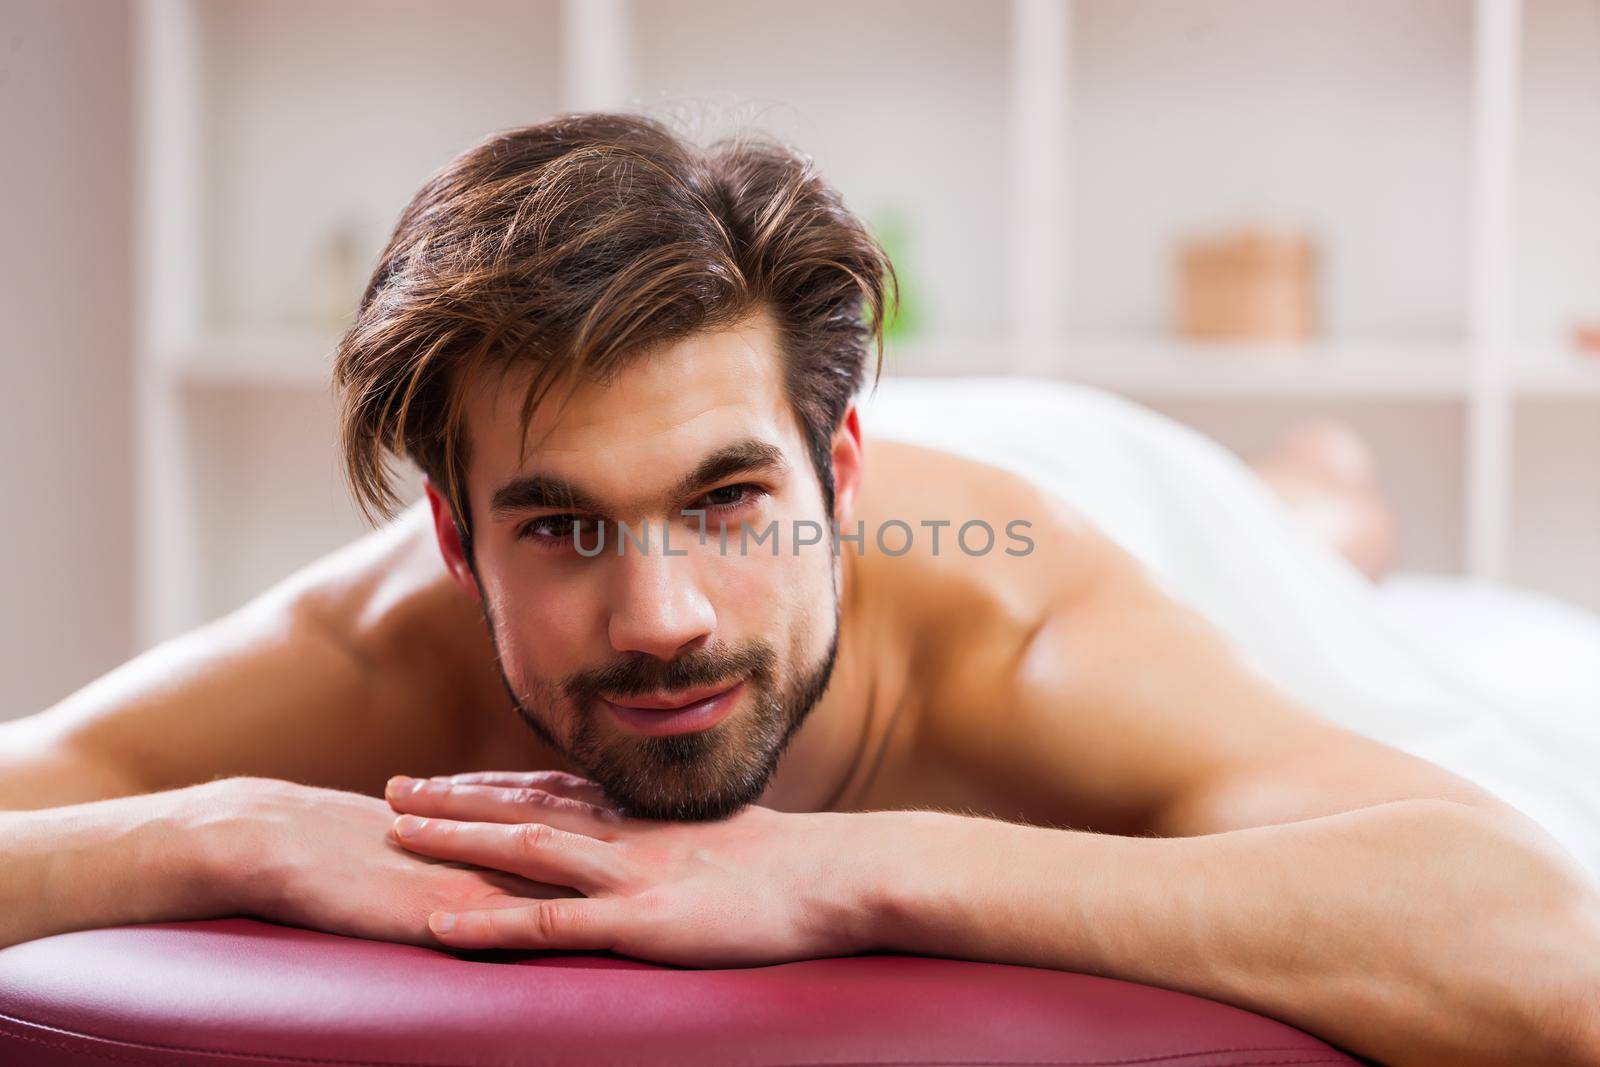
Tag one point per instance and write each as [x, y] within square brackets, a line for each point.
[1532, 654]
[1219, 540]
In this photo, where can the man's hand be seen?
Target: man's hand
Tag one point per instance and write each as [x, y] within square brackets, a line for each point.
[760, 887]
[323, 859]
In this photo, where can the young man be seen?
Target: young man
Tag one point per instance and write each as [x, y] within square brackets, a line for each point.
[695, 657]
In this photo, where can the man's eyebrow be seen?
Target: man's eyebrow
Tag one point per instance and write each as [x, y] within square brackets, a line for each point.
[533, 491]
[738, 458]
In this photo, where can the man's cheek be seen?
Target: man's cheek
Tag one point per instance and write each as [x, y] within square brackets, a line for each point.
[553, 629]
[762, 583]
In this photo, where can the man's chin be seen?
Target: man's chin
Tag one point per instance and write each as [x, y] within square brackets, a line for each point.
[699, 808]
[698, 775]
[657, 791]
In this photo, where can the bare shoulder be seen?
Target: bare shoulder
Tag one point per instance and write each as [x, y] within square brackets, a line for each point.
[365, 663]
[971, 618]
[390, 598]
[985, 547]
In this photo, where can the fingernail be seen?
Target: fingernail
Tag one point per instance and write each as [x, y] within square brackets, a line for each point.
[397, 784]
[441, 924]
[406, 825]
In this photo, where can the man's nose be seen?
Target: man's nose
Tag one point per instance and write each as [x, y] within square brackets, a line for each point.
[658, 606]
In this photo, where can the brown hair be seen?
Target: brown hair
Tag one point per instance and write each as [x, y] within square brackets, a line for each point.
[574, 245]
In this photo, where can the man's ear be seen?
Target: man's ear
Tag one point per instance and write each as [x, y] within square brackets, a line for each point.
[846, 466]
[449, 537]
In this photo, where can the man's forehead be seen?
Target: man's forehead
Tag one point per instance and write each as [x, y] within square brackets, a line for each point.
[660, 414]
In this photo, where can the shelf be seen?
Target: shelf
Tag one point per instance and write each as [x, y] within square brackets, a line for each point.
[302, 360]
[1557, 376]
[1191, 371]
[1153, 369]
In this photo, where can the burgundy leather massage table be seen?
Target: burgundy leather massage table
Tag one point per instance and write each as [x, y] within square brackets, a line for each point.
[236, 991]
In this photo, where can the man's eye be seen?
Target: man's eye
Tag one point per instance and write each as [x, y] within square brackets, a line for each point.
[551, 528]
[731, 496]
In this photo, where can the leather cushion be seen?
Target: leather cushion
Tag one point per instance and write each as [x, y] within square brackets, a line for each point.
[237, 991]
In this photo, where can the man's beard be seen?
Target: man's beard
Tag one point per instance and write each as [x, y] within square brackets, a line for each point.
[697, 776]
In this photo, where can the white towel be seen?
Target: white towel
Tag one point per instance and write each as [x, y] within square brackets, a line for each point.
[1218, 539]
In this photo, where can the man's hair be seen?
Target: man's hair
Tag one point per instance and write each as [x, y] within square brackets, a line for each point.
[570, 247]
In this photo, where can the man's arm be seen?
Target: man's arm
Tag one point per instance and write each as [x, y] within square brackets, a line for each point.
[96, 793]
[1414, 932]
[109, 862]
[319, 681]
[1300, 869]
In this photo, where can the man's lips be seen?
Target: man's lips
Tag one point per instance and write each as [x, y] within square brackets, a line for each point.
[671, 701]
[686, 711]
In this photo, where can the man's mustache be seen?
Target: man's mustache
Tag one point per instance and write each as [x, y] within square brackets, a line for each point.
[642, 674]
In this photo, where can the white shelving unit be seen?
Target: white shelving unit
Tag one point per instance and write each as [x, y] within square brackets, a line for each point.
[1047, 153]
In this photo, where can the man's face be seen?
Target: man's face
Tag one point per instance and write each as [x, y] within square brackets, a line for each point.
[597, 647]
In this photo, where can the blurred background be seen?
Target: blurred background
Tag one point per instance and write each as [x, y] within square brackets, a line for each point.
[1245, 213]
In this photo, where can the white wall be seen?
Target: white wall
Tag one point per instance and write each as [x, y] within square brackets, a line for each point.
[66, 555]
[901, 102]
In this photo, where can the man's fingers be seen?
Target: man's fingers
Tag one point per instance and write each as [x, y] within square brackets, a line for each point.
[534, 850]
[557, 782]
[492, 803]
[575, 923]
